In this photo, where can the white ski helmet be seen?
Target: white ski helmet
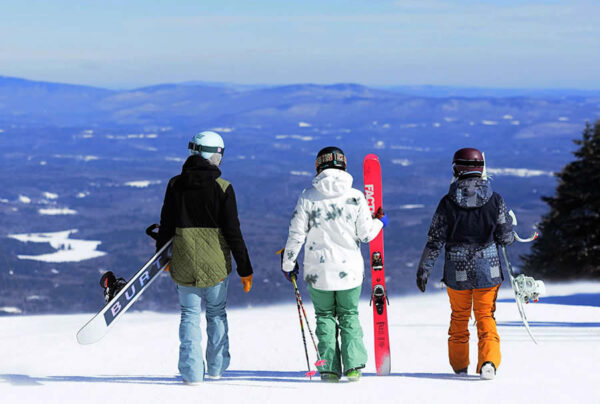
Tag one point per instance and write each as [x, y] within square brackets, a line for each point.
[209, 145]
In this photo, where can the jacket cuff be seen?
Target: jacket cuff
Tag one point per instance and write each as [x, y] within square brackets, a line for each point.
[288, 266]
[377, 227]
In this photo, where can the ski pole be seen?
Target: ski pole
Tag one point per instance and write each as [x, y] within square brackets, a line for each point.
[310, 373]
[319, 362]
[300, 306]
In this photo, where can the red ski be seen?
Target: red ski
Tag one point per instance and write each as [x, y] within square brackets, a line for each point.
[379, 300]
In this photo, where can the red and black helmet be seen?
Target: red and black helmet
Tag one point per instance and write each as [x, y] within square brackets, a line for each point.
[468, 162]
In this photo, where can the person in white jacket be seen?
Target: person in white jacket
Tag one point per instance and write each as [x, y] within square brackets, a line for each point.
[332, 219]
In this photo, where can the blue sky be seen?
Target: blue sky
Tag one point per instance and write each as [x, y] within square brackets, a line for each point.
[128, 43]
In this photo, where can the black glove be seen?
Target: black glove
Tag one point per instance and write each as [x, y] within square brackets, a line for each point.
[421, 283]
[421, 280]
[294, 273]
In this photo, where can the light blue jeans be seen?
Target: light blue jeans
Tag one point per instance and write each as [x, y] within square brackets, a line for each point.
[191, 358]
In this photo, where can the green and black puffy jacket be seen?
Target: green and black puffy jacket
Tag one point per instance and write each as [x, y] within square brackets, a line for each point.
[200, 212]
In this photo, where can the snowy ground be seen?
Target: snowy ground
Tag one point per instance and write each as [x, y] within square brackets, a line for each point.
[136, 362]
[67, 249]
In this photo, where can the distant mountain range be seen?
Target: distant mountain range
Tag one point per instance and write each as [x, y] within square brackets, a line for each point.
[97, 161]
[27, 101]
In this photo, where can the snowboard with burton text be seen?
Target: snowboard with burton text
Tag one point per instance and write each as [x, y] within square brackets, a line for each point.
[379, 299]
[99, 325]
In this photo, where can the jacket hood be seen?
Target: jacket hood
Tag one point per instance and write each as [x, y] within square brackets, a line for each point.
[198, 172]
[470, 192]
[332, 182]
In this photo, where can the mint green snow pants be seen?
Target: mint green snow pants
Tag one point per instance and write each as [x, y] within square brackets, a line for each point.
[337, 313]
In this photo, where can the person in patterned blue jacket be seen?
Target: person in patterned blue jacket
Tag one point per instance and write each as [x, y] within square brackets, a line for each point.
[470, 222]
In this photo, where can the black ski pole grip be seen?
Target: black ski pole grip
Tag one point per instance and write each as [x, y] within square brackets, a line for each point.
[150, 231]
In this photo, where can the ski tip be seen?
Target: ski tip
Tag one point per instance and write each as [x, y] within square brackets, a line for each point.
[371, 156]
[310, 373]
[278, 252]
[84, 338]
[322, 362]
[536, 235]
[92, 331]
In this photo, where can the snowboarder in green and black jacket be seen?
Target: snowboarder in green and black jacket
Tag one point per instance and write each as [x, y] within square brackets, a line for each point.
[200, 213]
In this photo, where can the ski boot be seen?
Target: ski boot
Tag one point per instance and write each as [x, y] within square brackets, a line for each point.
[462, 372]
[111, 284]
[353, 375]
[488, 371]
[192, 384]
[329, 377]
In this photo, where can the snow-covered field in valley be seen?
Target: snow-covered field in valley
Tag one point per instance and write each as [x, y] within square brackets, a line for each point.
[137, 360]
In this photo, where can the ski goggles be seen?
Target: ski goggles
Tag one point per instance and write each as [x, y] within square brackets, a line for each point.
[468, 163]
[206, 149]
[330, 160]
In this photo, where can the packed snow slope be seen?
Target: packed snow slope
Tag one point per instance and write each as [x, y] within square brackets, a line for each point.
[137, 361]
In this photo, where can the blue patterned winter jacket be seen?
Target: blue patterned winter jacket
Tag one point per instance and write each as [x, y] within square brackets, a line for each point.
[470, 221]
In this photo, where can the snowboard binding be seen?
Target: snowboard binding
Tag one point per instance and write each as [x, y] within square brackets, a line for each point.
[111, 284]
[528, 289]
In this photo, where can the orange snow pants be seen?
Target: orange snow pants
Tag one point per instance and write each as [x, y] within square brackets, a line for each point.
[483, 303]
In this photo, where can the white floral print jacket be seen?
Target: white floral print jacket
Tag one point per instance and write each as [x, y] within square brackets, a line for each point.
[332, 218]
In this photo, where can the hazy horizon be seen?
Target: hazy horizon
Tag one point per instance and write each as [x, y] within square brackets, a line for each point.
[332, 83]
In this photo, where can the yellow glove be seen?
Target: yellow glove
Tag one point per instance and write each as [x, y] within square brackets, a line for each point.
[247, 283]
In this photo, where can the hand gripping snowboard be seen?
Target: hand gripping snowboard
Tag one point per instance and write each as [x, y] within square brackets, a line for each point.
[379, 300]
[99, 325]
